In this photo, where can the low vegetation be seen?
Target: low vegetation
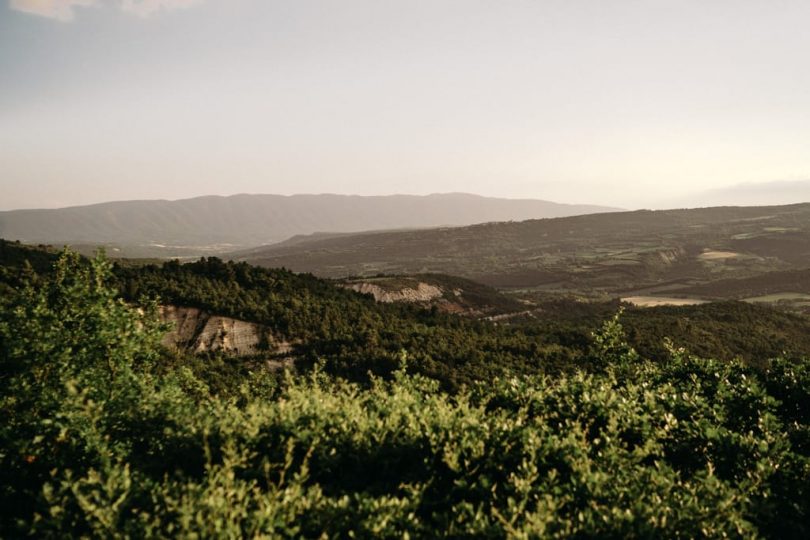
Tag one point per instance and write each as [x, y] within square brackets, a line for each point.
[106, 434]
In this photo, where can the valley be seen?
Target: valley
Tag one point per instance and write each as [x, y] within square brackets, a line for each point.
[213, 370]
[282, 270]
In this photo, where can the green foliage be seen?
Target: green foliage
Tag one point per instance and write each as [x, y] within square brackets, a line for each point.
[722, 330]
[107, 436]
[610, 347]
[352, 335]
[73, 356]
[348, 331]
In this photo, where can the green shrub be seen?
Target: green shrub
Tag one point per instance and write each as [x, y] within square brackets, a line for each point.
[101, 440]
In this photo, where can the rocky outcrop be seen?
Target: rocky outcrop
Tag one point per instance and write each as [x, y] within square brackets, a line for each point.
[198, 331]
[423, 292]
[671, 256]
[663, 258]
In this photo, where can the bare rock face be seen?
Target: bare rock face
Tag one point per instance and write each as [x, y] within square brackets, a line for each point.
[422, 293]
[199, 331]
[671, 256]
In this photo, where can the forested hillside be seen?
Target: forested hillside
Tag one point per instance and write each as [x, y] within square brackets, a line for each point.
[352, 334]
[107, 434]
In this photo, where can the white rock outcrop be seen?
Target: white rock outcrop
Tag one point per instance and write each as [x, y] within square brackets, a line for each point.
[198, 331]
[423, 292]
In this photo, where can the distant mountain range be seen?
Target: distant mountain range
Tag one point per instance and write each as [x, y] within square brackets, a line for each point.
[251, 220]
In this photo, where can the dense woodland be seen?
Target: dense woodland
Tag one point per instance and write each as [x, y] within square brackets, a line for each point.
[350, 334]
[397, 419]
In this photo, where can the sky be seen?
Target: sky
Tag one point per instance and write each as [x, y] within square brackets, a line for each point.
[630, 103]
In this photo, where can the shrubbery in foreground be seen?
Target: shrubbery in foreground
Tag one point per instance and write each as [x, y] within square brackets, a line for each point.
[99, 440]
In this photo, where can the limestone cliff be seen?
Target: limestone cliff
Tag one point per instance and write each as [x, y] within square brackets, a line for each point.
[422, 292]
[449, 294]
[199, 332]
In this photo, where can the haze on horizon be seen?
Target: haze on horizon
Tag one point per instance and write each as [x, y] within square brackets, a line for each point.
[628, 103]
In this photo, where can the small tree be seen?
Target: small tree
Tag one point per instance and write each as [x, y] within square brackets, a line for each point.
[610, 347]
[74, 361]
[71, 326]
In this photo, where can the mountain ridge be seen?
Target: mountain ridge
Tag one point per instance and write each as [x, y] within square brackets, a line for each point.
[247, 220]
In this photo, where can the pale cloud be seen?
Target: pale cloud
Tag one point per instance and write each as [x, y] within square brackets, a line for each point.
[144, 8]
[54, 9]
[63, 10]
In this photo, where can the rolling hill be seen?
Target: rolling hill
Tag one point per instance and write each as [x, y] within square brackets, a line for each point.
[189, 226]
[600, 253]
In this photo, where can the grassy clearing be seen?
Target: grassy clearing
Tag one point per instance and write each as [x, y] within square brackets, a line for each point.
[712, 255]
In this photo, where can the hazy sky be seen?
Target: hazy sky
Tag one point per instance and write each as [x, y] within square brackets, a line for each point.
[621, 102]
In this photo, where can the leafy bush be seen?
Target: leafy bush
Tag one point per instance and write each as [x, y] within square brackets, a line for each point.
[101, 441]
